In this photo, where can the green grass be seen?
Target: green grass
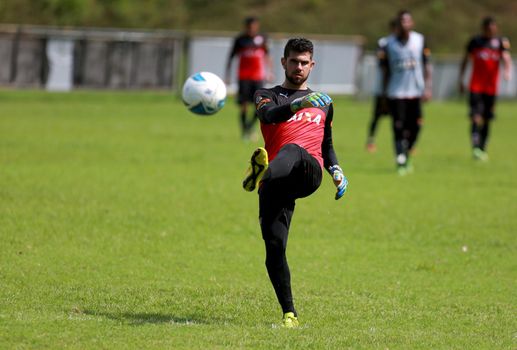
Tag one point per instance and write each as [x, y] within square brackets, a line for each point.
[123, 225]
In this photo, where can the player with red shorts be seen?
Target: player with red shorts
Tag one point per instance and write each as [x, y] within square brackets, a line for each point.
[485, 51]
[254, 68]
[296, 124]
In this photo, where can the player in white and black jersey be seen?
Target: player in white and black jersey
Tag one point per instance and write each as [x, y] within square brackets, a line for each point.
[407, 73]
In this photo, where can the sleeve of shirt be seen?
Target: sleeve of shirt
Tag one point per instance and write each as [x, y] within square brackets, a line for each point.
[268, 109]
[266, 46]
[235, 47]
[470, 46]
[327, 147]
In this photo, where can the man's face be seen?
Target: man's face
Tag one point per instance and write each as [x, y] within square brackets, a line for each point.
[490, 30]
[297, 66]
[406, 23]
[252, 28]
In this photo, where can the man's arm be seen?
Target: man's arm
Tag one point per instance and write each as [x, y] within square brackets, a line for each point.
[327, 147]
[382, 57]
[270, 76]
[268, 111]
[232, 54]
[330, 161]
[507, 59]
[428, 73]
[463, 67]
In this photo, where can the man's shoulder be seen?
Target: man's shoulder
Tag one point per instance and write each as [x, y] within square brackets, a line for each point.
[266, 92]
[417, 36]
[381, 43]
[476, 40]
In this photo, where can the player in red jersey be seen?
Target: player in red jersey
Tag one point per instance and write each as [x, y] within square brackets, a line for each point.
[296, 124]
[254, 68]
[486, 51]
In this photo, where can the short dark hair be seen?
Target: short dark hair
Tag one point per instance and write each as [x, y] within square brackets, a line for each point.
[298, 45]
[402, 13]
[250, 19]
[488, 20]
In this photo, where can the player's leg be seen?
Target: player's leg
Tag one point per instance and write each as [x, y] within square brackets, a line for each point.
[370, 141]
[476, 118]
[276, 207]
[398, 114]
[477, 124]
[293, 174]
[488, 116]
[415, 124]
[275, 219]
[242, 101]
[252, 119]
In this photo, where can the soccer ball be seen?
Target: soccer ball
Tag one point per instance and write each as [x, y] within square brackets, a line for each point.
[204, 93]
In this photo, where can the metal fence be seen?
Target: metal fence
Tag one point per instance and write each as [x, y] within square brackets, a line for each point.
[60, 59]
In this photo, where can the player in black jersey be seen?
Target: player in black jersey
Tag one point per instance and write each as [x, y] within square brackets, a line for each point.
[255, 68]
[296, 125]
[380, 107]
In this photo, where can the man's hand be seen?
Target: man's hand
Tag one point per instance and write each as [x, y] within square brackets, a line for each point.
[461, 87]
[428, 94]
[339, 180]
[314, 99]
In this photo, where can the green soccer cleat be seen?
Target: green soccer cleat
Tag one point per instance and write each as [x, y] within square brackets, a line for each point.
[402, 170]
[290, 320]
[479, 154]
[409, 167]
[257, 168]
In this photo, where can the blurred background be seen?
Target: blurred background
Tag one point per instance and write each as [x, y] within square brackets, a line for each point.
[155, 44]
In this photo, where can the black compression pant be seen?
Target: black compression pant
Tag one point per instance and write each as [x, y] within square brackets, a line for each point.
[380, 108]
[293, 174]
[407, 119]
[481, 106]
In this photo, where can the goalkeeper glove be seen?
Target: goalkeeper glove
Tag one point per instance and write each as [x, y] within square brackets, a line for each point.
[314, 99]
[339, 180]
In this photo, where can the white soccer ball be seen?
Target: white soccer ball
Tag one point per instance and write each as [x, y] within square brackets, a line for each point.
[204, 93]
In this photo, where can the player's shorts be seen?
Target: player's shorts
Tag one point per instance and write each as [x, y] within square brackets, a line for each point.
[381, 106]
[406, 109]
[482, 104]
[247, 89]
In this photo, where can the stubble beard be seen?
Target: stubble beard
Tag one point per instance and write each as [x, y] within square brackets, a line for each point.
[296, 81]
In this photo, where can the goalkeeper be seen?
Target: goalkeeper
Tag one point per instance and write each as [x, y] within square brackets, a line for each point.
[296, 124]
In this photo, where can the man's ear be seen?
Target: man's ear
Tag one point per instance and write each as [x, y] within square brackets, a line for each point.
[283, 61]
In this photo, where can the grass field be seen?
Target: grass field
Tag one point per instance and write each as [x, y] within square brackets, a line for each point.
[123, 225]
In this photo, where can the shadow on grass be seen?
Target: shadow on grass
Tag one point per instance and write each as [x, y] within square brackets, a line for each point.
[137, 319]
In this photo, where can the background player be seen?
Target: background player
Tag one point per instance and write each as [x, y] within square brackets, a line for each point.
[254, 67]
[297, 127]
[486, 52]
[407, 77]
[380, 106]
